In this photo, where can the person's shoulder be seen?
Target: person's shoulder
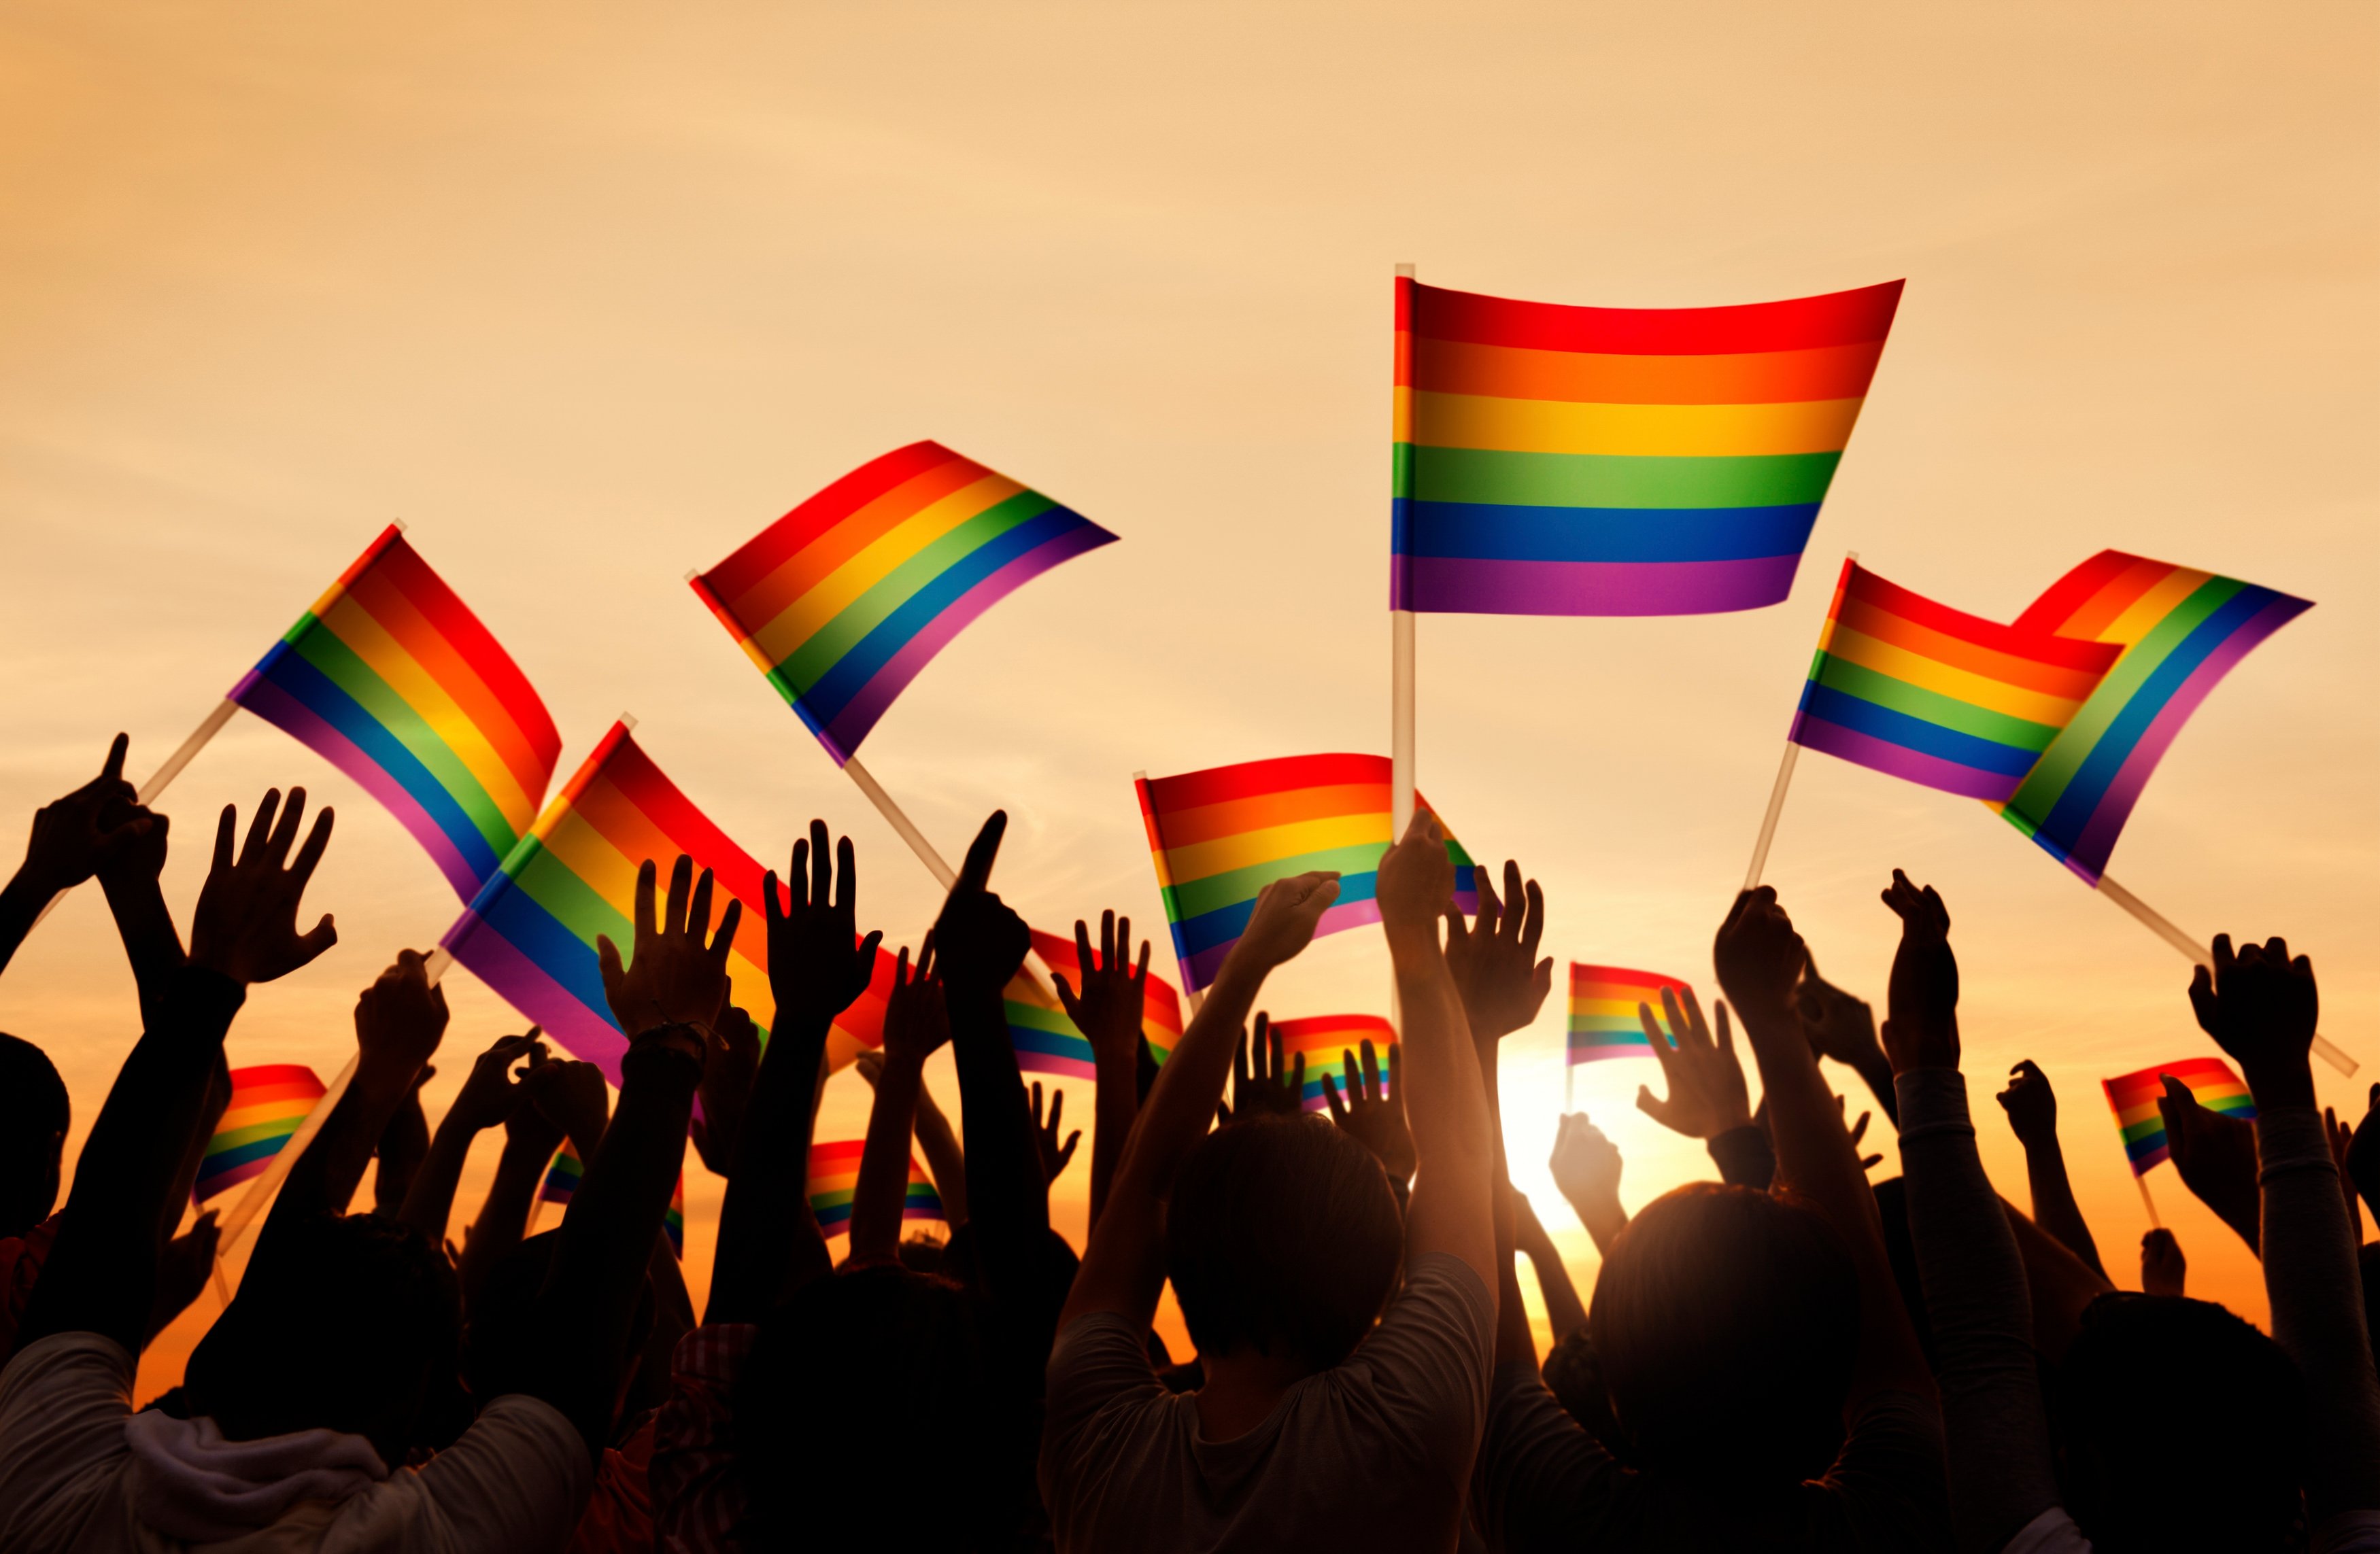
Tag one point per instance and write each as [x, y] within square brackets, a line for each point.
[1099, 1361]
[62, 1358]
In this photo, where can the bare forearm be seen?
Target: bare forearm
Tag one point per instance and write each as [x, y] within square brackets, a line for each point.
[1604, 1219]
[884, 1163]
[1564, 1311]
[1008, 1199]
[2054, 1208]
[21, 901]
[152, 944]
[1114, 1108]
[768, 1238]
[945, 1161]
[503, 1217]
[1453, 1207]
[430, 1201]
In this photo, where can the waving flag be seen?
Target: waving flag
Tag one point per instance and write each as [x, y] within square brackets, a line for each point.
[2133, 1097]
[1617, 461]
[392, 680]
[1323, 1038]
[2178, 632]
[1936, 696]
[1603, 1020]
[268, 1103]
[834, 1183]
[1047, 1042]
[531, 931]
[844, 599]
[1218, 837]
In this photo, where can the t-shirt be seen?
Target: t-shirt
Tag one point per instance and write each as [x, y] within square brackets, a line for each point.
[1545, 1484]
[1375, 1453]
[515, 1481]
[22, 1257]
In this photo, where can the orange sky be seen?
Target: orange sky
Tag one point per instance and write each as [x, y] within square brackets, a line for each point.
[588, 294]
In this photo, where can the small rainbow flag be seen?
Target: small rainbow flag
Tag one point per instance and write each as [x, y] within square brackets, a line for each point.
[1047, 1042]
[531, 931]
[562, 1178]
[1921, 691]
[392, 680]
[1603, 1000]
[268, 1104]
[1218, 837]
[1321, 1038]
[834, 1181]
[2178, 632]
[2133, 1097]
[844, 599]
[1617, 461]
[674, 1223]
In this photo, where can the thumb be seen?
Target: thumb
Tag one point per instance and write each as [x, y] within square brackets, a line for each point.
[607, 962]
[1653, 1106]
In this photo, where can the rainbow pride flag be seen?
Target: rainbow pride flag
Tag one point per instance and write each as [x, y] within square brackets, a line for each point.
[2178, 632]
[1617, 461]
[2133, 1097]
[1603, 1000]
[392, 680]
[268, 1104]
[531, 931]
[1047, 1042]
[562, 1178]
[1923, 692]
[844, 599]
[834, 1181]
[1218, 837]
[1323, 1038]
[674, 1221]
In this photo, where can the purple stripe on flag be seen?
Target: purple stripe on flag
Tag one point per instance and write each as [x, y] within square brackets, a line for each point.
[1896, 761]
[303, 723]
[1048, 1062]
[1465, 585]
[524, 984]
[842, 737]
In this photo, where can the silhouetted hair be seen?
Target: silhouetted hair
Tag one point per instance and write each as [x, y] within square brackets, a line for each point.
[1282, 1231]
[34, 1117]
[345, 1323]
[1726, 1321]
[2179, 1427]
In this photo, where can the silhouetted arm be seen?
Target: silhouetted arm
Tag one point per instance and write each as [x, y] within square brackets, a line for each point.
[2031, 1109]
[914, 1025]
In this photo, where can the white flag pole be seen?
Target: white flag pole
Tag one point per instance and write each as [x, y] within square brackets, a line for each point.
[1776, 799]
[2165, 929]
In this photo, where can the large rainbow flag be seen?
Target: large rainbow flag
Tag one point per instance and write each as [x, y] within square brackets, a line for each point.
[1603, 1021]
[531, 931]
[1047, 1042]
[392, 680]
[834, 1181]
[1934, 695]
[2178, 632]
[2133, 1098]
[1323, 1038]
[844, 599]
[268, 1104]
[1218, 837]
[1617, 461]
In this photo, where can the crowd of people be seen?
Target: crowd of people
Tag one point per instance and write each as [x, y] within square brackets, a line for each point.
[1788, 1357]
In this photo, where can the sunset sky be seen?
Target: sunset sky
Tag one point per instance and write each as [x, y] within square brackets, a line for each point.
[588, 293]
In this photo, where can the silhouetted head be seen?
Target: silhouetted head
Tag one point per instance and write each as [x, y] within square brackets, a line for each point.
[34, 1115]
[2179, 1427]
[874, 1372]
[1282, 1231]
[345, 1323]
[1725, 1322]
[500, 1350]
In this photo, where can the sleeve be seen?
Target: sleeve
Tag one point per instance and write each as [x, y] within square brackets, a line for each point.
[2317, 1299]
[1744, 1157]
[1980, 1310]
[517, 1480]
[1542, 1483]
[1099, 1358]
[63, 1403]
[698, 1493]
[2052, 1532]
[1429, 1359]
[1889, 1477]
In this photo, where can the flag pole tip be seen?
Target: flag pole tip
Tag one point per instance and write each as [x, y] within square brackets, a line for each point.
[398, 523]
[628, 722]
[1406, 271]
[692, 573]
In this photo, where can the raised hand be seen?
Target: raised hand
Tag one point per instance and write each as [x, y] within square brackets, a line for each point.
[2261, 1007]
[2031, 1105]
[1108, 1008]
[182, 1269]
[817, 962]
[246, 923]
[2363, 1155]
[1286, 914]
[1054, 1156]
[1757, 954]
[490, 1092]
[400, 1019]
[1921, 1027]
[1858, 1132]
[917, 1019]
[1839, 1025]
[1415, 886]
[1259, 1090]
[980, 942]
[2216, 1158]
[2164, 1269]
[1586, 1167]
[1494, 958]
[676, 974]
[77, 836]
[573, 1098]
[533, 1128]
[727, 1091]
[1707, 1095]
[1374, 1110]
